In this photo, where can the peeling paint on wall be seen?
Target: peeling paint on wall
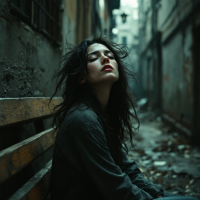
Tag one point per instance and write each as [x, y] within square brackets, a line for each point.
[16, 78]
[27, 61]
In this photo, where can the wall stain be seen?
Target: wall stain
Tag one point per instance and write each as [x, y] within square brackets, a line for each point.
[18, 77]
[166, 77]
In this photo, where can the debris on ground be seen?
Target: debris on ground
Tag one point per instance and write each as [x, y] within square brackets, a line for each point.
[166, 157]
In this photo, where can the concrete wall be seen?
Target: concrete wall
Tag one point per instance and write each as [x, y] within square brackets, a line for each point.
[177, 59]
[27, 58]
[84, 20]
[145, 25]
[167, 58]
[178, 76]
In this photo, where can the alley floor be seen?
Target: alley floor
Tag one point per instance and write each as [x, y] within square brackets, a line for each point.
[166, 158]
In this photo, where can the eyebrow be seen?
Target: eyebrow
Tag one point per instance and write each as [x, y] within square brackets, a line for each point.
[95, 52]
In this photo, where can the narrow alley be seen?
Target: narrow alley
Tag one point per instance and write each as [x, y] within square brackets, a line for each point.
[166, 157]
[156, 41]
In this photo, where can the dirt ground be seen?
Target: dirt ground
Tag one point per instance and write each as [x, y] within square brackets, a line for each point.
[166, 157]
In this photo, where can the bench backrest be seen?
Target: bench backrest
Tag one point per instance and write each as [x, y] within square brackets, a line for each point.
[16, 157]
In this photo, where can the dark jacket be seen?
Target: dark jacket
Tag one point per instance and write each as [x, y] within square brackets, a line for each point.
[83, 167]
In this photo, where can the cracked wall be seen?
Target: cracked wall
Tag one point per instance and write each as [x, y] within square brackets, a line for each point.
[27, 61]
[27, 58]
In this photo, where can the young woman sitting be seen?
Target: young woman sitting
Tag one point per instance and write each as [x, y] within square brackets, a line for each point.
[89, 158]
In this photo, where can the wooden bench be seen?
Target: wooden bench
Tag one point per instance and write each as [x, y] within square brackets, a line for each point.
[18, 159]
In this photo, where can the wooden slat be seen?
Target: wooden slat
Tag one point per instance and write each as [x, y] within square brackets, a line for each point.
[13, 110]
[37, 187]
[16, 157]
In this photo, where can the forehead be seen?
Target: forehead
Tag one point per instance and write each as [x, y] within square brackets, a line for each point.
[96, 47]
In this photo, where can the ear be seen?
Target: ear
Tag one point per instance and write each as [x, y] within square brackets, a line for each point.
[82, 80]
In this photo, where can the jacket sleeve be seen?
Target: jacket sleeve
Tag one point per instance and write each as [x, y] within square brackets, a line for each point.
[90, 143]
[131, 169]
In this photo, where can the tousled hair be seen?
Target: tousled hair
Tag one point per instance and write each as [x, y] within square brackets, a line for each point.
[120, 113]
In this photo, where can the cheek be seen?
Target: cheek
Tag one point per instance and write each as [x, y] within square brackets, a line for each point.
[93, 68]
[115, 64]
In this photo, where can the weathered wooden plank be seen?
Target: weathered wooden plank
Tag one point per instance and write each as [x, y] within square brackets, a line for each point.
[13, 110]
[37, 187]
[18, 156]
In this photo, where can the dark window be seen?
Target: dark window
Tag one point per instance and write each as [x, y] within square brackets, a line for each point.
[124, 40]
[42, 15]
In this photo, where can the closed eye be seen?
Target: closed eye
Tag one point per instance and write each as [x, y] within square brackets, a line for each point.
[91, 60]
[110, 55]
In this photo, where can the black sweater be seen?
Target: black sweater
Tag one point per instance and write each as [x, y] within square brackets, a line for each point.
[83, 167]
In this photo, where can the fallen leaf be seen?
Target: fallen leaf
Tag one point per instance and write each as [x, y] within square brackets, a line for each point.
[187, 151]
[191, 181]
[159, 163]
[158, 174]
[146, 162]
[180, 147]
[186, 156]
[174, 192]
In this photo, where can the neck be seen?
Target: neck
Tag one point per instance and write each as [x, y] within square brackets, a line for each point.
[103, 93]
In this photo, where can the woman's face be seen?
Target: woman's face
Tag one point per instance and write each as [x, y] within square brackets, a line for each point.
[101, 64]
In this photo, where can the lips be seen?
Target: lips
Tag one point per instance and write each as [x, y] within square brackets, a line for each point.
[106, 67]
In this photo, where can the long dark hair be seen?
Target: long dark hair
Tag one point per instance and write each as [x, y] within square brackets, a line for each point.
[120, 113]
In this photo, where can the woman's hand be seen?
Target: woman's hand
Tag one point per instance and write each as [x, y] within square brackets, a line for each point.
[159, 197]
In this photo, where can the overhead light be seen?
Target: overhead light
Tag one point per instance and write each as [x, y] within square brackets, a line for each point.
[124, 17]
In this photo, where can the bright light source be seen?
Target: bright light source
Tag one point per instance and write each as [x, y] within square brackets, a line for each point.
[115, 31]
[133, 3]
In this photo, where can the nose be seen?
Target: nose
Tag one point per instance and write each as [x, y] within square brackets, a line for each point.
[105, 60]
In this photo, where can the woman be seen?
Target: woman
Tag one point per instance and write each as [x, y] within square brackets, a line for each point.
[89, 158]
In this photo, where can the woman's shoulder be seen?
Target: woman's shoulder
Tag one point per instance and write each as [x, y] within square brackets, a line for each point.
[82, 115]
[80, 111]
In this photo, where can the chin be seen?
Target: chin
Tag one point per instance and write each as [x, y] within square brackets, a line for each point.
[112, 79]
